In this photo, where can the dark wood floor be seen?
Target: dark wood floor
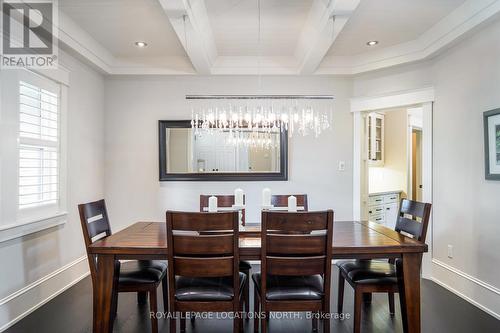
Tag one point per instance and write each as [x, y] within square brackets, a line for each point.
[442, 312]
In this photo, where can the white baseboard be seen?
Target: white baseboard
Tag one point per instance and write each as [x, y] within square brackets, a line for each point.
[26, 300]
[477, 292]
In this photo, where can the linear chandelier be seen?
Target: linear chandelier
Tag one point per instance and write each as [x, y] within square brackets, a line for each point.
[297, 114]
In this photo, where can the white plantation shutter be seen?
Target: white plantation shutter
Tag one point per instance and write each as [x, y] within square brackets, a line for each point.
[39, 144]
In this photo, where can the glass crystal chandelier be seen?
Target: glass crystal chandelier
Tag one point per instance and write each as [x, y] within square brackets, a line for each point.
[296, 114]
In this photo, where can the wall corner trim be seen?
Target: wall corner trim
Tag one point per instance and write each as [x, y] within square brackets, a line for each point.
[26, 300]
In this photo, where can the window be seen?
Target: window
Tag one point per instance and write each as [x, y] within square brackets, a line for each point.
[32, 151]
[38, 146]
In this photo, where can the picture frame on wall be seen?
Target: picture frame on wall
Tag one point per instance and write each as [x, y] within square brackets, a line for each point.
[492, 144]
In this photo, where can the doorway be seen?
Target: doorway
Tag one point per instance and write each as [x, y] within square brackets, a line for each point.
[360, 107]
[415, 166]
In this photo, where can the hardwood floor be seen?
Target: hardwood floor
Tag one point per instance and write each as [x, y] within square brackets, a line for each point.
[442, 312]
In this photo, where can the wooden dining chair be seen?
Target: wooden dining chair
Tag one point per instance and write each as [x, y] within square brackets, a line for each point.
[203, 256]
[140, 276]
[227, 201]
[375, 276]
[281, 200]
[296, 255]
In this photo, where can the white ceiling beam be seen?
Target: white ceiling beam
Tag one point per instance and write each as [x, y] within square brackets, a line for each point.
[324, 23]
[190, 21]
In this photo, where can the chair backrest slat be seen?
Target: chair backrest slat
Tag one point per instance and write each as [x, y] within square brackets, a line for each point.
[297, 222]
[203, 267]
[281, 200]
[297, 266]
[216, 244]
[414, 218]
[185, 221]
[280, 244]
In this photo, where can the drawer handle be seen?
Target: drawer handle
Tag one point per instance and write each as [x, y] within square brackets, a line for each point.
[378, 219]
[378, 209]
[378, 199]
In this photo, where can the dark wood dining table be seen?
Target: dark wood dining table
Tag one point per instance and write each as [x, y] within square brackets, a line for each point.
[351, 240]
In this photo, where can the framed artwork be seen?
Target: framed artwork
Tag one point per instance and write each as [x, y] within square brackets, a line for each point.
[492, 144]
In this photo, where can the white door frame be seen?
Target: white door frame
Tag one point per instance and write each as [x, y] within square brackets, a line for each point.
[359, 105]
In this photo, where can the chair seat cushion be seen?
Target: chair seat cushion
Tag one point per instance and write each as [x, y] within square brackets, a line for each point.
[206, 289]
[281, 288]
[369, 271]
[245, 266]
[141, 271]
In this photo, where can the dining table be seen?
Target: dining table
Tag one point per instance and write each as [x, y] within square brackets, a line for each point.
[351, 240]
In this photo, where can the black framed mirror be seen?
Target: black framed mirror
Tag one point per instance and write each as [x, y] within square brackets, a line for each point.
[249, 155]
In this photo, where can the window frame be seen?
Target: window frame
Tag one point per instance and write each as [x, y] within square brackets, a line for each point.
[18, 222]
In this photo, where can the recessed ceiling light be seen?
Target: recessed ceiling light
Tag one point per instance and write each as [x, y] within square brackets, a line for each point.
[372, 43]
[141, 44]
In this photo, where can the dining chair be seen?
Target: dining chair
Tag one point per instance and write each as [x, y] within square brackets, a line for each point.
[140, 276]
[370, 276]
[203, 264]
[227, 201]
[295, 275]
[281, 200]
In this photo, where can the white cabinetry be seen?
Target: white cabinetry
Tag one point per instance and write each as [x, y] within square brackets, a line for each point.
[383, 208]
[375, 138]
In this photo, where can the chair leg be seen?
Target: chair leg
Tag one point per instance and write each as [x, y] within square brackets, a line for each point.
[358, 301]
[153, 307]
[183, 321]
[263, 322]
[236, 324]
[246, 291]
[164, 289]
[391, 303]
[314, 322]
[142, 297]
[115, 306]
[256, 311]
[326, 316]
[340, 302]
[173, 326]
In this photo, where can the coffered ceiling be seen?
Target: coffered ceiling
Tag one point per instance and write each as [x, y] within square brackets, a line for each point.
[211, 37]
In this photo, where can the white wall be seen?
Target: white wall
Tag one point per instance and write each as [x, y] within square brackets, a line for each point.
[466, 207]
[135, 104]
[393, 175]
[32, 264]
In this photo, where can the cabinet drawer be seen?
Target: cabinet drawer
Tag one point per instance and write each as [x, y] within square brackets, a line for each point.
[376, 200]
[375, 210]
[391, 198]
[378, 219]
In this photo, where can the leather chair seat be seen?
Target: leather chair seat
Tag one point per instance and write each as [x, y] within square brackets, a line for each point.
[369, 271]
[245, 266]
[282, 288]
[206, 289]
[141, 271]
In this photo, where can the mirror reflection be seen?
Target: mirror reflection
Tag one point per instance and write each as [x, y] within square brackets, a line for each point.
[249, 151]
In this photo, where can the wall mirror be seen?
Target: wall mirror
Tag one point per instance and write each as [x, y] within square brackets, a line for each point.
[187, 154]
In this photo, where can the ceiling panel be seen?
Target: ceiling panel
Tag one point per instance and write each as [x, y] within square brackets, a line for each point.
[390, 22]
[117, 24]
[235, 26]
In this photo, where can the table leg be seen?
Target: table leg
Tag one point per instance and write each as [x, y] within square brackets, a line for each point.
[103, 294]
[409, 294]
